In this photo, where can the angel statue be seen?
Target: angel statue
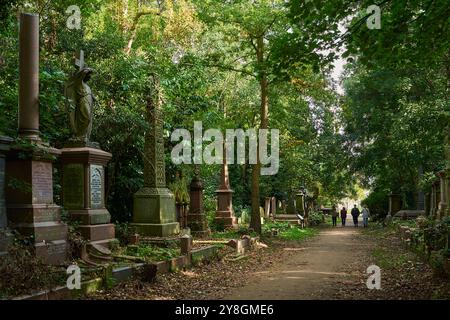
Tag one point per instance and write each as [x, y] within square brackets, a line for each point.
[80, 102]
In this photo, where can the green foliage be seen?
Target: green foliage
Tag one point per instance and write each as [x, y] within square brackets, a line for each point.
[22, 273]
[153, 253]
[123, 232]
[378, 203]
[316, 218]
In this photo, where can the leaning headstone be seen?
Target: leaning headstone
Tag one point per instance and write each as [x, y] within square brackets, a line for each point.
[154, 205]
[83, 163]
[197, 221]
[5, 235]
[29, 164]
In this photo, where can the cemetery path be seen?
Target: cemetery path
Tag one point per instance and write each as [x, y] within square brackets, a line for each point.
[314, 270]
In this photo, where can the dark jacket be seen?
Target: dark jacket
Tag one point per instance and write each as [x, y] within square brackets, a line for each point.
[343, 214]
[355, 212]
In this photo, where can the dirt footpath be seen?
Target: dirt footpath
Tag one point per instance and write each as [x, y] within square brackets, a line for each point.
[312, 271]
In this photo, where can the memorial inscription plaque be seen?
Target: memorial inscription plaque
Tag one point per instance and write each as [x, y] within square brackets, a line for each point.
[73, 188]
[96, 186]
[42, 182]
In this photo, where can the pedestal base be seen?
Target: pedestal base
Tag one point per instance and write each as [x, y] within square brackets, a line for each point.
[198, 225]
[29, 201]
[226, 219]
[84, 190]
[157, 230]
[154, 213]
[52, 252]
[100, 232]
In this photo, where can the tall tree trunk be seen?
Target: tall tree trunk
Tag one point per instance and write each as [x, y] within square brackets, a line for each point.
[255, 222]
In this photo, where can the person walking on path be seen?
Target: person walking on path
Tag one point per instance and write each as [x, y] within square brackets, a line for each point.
[355, 215]
[334, 215]
[365, 215]
[343, 216]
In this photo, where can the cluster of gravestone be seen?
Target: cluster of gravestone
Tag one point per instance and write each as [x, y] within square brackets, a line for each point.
[26, 171]
[433, 204]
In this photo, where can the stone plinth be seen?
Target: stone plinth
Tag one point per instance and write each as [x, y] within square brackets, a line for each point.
[83, 192]
[6, 237]
[197, 221]
[225, 213]
[154, 212]
[29, 200]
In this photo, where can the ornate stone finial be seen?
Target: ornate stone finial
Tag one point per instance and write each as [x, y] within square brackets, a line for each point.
[79, 103]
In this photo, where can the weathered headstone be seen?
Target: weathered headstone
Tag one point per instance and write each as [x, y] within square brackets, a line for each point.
[154, 205]
[225, 213]
[5, 235]
[83, 163]
[273, 207]
[29, 168]
[197, 221]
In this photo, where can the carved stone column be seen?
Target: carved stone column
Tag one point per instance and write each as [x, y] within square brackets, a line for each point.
[154, 211]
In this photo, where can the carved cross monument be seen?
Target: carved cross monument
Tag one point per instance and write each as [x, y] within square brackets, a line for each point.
[154, 211]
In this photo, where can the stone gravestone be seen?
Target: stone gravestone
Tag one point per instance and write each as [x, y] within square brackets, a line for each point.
[5, 236]
[154, 205]
[300, 203]
[29, 167]
[83, 163]
[197, 221]
[225, 213]
[273, 207]
[267, 207]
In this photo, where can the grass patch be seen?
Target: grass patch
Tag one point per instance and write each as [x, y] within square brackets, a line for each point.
[297, 233]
